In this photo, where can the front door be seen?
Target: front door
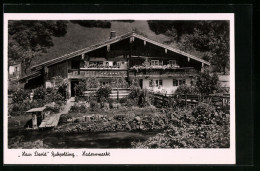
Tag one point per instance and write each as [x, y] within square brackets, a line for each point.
[73, 84]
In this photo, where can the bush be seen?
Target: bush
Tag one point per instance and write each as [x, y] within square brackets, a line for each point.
[145, 99]
[135, 91]
[53, 109]
[140, 96]
[37, 103]
[94, 106]
[131, 102]
[185, 89]
[20, 95]
[19, 108]
[52, 95]
[123, 100]
[204, 114]
[39, 93]
[206, 83]
[103, 93]
[80, 88]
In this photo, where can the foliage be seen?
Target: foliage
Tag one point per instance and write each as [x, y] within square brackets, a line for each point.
[208, 37]
[61, 85]
[37, 103]
[123, 100]
[52, 95]
[135, 91]
[201, 127]
[92, 82]
[139, 96]
[186, 89]
[93, 23]
[53, 109]
[20, 108]
[103, 93]
[81, 108]
[28, 39]
[212, 37]
[39, 93]
[20, 95]
[94, 105]
[206, 83]
[80, 88]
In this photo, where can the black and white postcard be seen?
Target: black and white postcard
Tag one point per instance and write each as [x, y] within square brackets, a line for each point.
[113, 88]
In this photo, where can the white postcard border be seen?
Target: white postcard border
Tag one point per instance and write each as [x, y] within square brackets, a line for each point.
[124, 156]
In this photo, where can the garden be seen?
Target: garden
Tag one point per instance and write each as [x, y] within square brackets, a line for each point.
[174, 126]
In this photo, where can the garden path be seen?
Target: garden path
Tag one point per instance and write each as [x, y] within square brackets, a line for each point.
[53, 120]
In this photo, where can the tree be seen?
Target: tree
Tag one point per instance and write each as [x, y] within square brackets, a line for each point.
[208, 37]
[28, 39]
[206, 83]
[211, 37]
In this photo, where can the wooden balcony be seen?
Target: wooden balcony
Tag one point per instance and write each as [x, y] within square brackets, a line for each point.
[162, 72]
[99, 73]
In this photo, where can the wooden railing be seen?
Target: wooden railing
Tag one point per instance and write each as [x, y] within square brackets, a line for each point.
[103, 73]
[162, 72]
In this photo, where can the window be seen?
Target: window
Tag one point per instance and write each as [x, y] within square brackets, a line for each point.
[172, 62]
[151, 83]
[155, 62]
[156, 83]
[181, 82]
[160, 82]
[175, 82]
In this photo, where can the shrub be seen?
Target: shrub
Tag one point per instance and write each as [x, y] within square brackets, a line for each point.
[39, 93]
[53, 109]
[94, 105]
[20, 95]
[206, 83]
[186, 89]
[123, 100]
[37, 103]
[131, 102]
[52, 95]
[135, 92]
[103, 93]
[145, 99]
[204, 114]
[80, 88]
[19, 108]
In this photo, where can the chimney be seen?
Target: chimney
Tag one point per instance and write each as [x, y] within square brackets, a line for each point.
[112, 34]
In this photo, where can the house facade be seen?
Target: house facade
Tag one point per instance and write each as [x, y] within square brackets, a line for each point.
[129, 57]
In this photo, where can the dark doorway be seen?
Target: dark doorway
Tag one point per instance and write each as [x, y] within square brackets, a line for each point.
[73, 84]
[141, 83]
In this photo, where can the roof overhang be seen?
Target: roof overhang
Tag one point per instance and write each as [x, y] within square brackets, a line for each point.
[30, 76]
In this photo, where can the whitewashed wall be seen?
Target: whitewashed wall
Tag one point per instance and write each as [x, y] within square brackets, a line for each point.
[167, 85]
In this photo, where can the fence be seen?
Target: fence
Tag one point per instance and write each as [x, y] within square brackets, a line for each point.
[221, 102]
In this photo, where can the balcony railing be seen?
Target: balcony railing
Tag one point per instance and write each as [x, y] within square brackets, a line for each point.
[102, 73]
[162, 72]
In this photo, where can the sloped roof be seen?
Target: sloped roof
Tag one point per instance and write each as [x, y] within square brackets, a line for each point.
[111, 41]
[39, 109]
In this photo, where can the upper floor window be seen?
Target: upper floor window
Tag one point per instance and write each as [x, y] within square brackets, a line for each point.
[155, 62]
[172, 62]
